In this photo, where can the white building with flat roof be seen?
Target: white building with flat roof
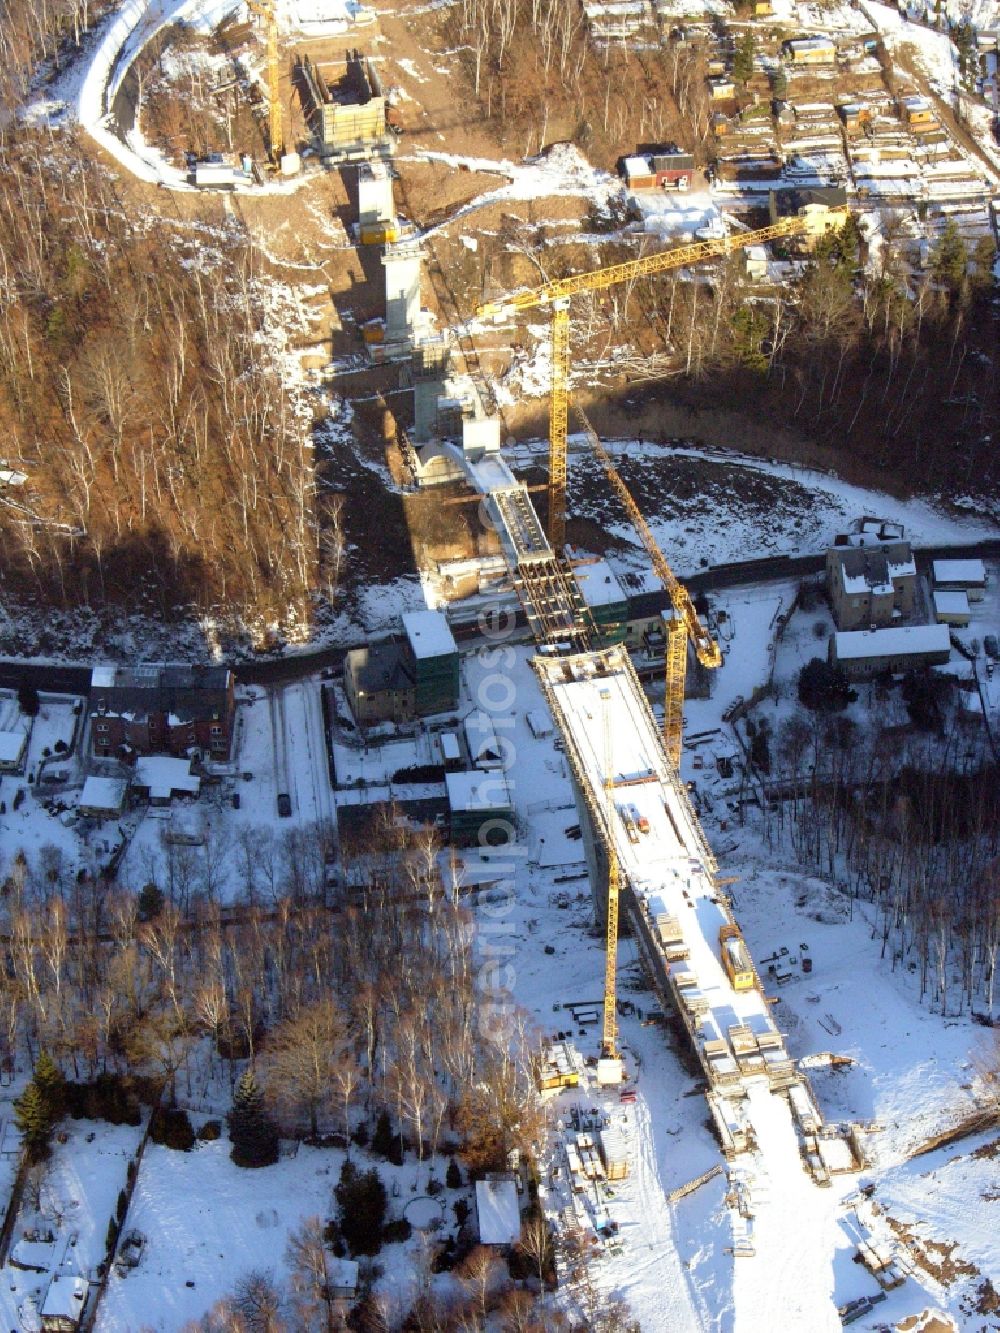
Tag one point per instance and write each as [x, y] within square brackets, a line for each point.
[968, 576]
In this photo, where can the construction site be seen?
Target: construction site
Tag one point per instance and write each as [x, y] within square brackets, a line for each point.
[462, 319]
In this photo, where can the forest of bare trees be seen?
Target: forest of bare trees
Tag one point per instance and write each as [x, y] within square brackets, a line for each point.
[534, 69]
[908, 821]
[139, 395]
[370, 1018]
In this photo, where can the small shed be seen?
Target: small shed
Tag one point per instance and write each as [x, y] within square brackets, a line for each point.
[755, 259]
[968, 576]
[638, 173]
[449, 749]
[482, 742]
[160, 777]
[498, 1214]
[951, 608]
[102, 798]
[539, 722]
[342, 1278]
[12, 747]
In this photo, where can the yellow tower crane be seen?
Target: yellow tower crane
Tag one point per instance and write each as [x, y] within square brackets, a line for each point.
[558, 294]
[266, 11]
[685, 624]
[609, 1042]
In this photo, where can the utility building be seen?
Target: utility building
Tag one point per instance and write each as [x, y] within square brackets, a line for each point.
[968, 576]
[482, 813]
[903, 648]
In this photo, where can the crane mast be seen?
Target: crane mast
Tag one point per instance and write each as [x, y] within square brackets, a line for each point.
[558, 293]
[685, 623]
[265, 10]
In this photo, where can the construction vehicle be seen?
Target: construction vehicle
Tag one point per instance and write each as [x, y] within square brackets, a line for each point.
[609, 1067]
[266, 11]
[685, 623]
[558, 293]
[736, 958]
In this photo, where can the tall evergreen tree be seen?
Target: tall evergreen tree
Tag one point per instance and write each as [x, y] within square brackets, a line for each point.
[31, 1114]
[51, 1084]
[252, 1132]
[743, 59]
[362, 1204]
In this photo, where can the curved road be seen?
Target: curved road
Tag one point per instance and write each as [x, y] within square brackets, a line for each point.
[75, 679]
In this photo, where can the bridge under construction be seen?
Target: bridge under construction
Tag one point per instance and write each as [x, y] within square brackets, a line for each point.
[636, 816]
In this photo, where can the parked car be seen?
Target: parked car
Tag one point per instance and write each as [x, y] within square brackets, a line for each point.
[284, 804]
[991, 645]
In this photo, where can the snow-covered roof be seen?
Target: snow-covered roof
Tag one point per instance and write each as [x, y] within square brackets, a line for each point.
[637, 166]
[497, 1211]
[65, 1297]
[103, 793]
[951, 603]
[481, 738]
[971, 572]
[12, 746]
[102, 677]
[429, 634]
[850, 645]
[539, 722]
[163, 775]
[450, 748]
[477, 790]
[598, 585]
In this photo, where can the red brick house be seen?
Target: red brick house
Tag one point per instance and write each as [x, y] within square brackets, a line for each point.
[162, 709]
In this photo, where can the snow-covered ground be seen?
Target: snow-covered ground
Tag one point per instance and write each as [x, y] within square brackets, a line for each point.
[78, 1198]
[208, 1222]
[709, 507]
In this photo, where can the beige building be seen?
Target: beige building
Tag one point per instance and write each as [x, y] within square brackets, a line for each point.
[871, 583]
[379, 685]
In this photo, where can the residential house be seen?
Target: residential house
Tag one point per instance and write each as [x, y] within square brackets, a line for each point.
[870, 582]
[162, 709]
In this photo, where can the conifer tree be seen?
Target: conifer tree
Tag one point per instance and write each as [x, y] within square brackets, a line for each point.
[382, 1140]
[251, 1131]
[31, 1114]
[51, 1084]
